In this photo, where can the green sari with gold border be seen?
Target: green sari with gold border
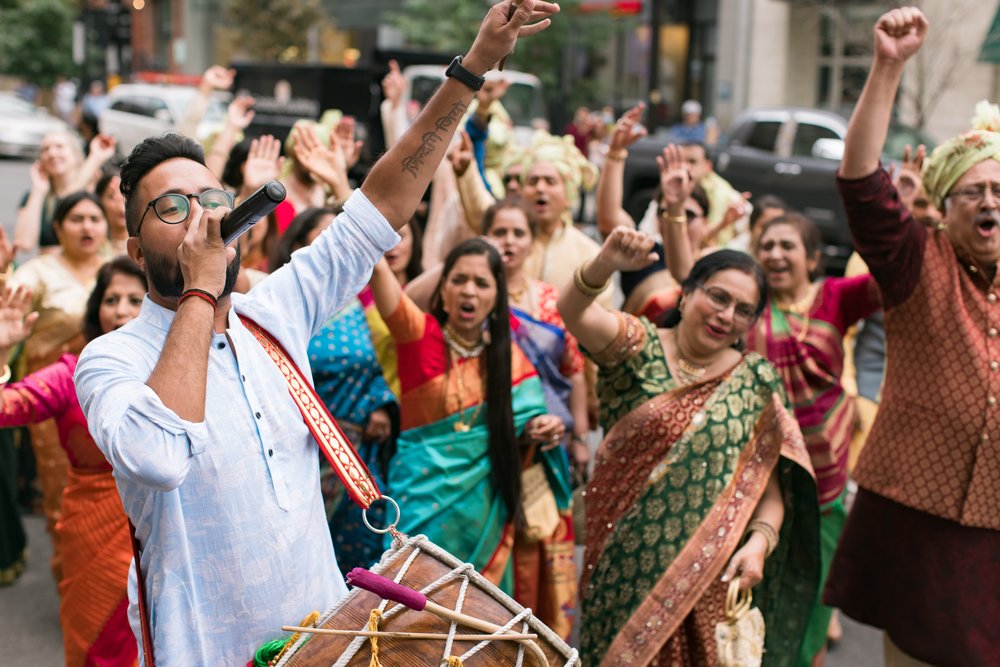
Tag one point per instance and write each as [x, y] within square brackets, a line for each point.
[676, 482]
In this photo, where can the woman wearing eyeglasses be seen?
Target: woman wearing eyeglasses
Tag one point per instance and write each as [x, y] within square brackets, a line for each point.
[60, 283]
[801, 331]
[702, 476]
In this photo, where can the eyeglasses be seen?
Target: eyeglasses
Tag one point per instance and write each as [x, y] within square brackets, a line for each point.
[976, 193]
[721, 300]
[174, 208]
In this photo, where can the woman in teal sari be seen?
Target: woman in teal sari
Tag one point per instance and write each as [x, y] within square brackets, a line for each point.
[472, 415]
[703, 476]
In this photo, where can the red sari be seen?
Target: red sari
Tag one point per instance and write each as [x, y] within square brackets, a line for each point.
[96, 545]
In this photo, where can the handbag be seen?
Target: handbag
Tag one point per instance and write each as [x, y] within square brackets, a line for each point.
[739, 640]
[541, 515]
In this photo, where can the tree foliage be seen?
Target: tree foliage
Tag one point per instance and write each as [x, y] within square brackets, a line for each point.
[273, 29]
[563, 56]
[36, 39]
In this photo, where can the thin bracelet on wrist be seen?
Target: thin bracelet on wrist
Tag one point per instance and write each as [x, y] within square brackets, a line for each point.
[5, 376]
[767, 531]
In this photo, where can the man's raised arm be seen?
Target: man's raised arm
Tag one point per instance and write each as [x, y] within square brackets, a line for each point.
[398, 180]
[898, 35]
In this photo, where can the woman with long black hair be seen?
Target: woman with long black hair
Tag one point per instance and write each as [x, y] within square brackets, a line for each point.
[472, 415]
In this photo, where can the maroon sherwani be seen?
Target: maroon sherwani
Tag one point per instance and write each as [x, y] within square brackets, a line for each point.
[920, 555]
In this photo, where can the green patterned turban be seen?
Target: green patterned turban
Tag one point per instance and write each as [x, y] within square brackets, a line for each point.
[953, 158]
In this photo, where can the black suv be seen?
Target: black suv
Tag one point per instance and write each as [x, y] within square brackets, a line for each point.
[789, 152]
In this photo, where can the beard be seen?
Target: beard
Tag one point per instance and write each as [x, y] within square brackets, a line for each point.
[166, 278]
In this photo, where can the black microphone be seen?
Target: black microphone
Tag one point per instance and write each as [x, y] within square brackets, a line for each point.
[251, 210]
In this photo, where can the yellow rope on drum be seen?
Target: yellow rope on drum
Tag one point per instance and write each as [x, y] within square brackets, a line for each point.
[307, 622]
[454, 661]
[373, 620]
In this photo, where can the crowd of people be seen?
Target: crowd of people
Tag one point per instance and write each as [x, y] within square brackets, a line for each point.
[473, 343]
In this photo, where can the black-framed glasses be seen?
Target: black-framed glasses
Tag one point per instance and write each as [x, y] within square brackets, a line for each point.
[174, 208]
[743, 313]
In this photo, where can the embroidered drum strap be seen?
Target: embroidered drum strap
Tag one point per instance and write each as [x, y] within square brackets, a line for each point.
[337, 449]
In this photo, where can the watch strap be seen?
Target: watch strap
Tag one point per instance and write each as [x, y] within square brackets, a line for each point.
[457, 71]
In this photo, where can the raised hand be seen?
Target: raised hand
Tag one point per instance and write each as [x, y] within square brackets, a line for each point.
[676, 183]
[7, 252]
[899, 34]
[39, 177]
[343, 138]
[627, 249]
[102, 147]
[498, 33]
[491, 92]
[628, 131]
[240, 113]
[907, 180]
[461, 154]
[393, 84]
[218, 77]
[16, 320]
[324, 163]
[263, 162]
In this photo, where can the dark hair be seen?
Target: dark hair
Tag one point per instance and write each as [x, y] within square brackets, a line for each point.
[708, 266]
[144, 158]
[104, 181]
[808, 232]
[415, 266]
[232, 173]
[764, 202]
[121, 265]
[511, 201]
[67, 203]
[295, 236]
[697, 144]
[495, 365]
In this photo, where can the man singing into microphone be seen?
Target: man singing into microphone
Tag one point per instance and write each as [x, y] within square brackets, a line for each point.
[214, 464]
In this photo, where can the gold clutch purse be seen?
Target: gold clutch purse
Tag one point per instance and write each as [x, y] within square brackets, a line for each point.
[541, 515]
[739, 640]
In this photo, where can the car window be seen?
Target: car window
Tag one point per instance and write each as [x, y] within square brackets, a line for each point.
[150, 105]
[807, 134]
[124, 104]
[764, 135]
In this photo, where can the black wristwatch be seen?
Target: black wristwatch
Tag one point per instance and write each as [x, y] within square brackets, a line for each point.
[456, 70]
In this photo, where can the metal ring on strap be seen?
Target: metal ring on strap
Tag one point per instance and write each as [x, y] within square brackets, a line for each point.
[390, 526]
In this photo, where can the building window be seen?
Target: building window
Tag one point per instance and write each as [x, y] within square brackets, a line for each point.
[845, 52]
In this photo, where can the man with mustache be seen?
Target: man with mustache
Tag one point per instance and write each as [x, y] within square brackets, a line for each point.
[918, 556]
[215, 466]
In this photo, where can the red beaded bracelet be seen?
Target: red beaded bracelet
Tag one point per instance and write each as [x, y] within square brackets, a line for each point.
[201, 294]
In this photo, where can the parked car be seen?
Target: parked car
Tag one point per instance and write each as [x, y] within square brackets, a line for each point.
[139, 110]
[23, 125]
[789, 152]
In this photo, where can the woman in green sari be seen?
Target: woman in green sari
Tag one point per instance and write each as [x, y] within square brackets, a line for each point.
[702, 477]
[472, 415]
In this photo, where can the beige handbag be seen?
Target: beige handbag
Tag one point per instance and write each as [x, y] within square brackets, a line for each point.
[541, 515]
[739, 640]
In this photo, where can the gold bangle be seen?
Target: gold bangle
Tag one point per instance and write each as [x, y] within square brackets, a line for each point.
[675, 219]
[617, 154]
[768, 531]
[586, 288]
[5, 378]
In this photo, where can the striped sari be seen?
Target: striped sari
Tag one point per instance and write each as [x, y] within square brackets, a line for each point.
[808, 351]
[97, 548]
[441, 474]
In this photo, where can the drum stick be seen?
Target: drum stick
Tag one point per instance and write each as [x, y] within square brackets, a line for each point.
[510, 14]
[391, 634]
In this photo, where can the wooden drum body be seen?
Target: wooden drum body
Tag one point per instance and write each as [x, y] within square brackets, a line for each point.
[421, 565]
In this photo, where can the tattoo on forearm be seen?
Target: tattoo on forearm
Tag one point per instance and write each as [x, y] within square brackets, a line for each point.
[430, 140]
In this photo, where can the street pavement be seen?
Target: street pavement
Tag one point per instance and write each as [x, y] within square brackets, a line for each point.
[29, 610]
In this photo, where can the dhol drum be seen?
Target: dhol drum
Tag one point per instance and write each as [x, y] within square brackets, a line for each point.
[419, 564]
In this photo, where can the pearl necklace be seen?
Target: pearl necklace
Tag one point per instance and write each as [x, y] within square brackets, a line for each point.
[461, 346]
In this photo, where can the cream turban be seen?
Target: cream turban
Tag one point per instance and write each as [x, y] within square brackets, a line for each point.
[953, 158]
[576, 170]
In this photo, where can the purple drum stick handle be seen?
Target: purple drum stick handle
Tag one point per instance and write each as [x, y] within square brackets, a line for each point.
[386, 588]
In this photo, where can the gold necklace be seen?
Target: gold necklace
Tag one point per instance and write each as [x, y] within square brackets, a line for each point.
[517, 294]
[801, 308]
[688, 372]
[463, 347]
[460, 426]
